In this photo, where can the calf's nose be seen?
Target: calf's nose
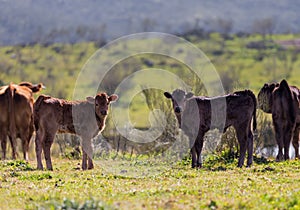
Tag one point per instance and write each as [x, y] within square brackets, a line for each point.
[177, 109]
[103, 112]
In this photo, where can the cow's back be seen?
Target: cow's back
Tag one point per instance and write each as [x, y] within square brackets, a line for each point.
[239, 102]
[64, 116]
[285, 103]
[23, 108]
[220, 112]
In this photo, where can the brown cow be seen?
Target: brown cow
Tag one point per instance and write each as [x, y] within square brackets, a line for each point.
[16, 120]
[195, 117]
[84, 118]
[282, 101]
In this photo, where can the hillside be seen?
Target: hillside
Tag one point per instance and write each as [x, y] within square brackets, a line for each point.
[241, 62]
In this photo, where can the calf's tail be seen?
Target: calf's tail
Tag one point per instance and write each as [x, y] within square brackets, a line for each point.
[254, 121]
[11, 110]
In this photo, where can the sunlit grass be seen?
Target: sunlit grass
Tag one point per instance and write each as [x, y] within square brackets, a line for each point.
[263, 186]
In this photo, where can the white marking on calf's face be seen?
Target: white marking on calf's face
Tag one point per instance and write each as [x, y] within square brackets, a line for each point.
[179, 98]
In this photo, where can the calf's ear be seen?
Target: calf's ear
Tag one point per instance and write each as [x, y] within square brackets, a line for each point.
[189, 95]
[90, 99]
[113, 97]
[42, 86]
[167, 95]
[37, 87]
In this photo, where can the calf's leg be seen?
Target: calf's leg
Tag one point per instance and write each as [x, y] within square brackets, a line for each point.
[242, 136]
[49, 137]
[250, 148]
[194, 156]
[198, 147]
[38, 148]
[87, 151]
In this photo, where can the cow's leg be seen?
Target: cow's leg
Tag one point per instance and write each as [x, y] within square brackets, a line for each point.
[242, 136]
[49, 137]
[296, 142]
[194, 157]
[198, 148]
[13, 143]
[39, 138]
[25, 137]
[279, 139]
[288, 134]
[87, 151]
[84, 160]
[3, 145]
[250, 148]
[25, 146]
[90, 163]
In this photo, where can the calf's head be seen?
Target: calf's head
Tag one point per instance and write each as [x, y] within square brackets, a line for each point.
[178, 98]
[101, 103]
[264, 97]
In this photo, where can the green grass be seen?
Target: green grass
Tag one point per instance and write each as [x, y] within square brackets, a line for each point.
[264, 186]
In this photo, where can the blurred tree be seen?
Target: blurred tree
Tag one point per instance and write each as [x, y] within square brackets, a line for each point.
[264, 26]
[148, 24]
[224, 26]
[230, 79]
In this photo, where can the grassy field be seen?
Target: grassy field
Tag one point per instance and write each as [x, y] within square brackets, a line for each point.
[219, 185]
[266, 185]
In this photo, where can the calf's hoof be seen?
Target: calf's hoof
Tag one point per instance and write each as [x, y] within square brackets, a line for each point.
[279, 158]
[40, 167]
[199, 165]
[240, 165]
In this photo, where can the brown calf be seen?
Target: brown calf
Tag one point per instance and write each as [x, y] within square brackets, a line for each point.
[16, 119]
[195, 117]
[84, 118]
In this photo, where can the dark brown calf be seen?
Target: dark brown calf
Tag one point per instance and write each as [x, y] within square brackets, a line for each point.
[84, 118]
[195, 117]
[282, 101]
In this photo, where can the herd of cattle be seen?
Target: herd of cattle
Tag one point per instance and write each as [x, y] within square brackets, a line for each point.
[21, 116]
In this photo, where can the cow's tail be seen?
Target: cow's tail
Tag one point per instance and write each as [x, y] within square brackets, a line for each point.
[36, 110]
[11, 110]
[254, 121]
[10, 92]
[285, 91]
